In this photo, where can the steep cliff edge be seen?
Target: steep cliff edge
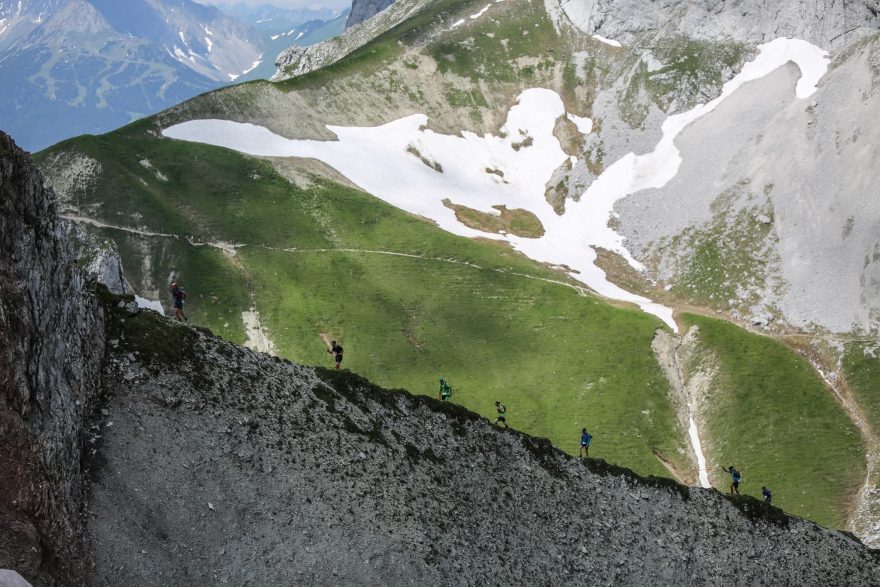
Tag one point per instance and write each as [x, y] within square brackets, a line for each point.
[51, 347]
[214, 464]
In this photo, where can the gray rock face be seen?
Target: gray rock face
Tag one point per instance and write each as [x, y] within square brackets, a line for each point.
[828, 23]
[805, 169]
[362, 10]
[100, 259]
[51, 348]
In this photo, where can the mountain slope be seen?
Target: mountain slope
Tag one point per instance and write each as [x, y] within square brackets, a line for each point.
[211, 463]
[470, 69]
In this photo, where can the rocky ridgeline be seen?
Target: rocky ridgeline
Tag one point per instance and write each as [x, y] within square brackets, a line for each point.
[212, 464]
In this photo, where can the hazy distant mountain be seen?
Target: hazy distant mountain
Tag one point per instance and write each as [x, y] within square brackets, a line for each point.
[362, 10]
[285, 27]
[82, 66]
[267, 17]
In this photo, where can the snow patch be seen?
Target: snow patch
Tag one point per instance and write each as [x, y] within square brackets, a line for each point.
[209, 43]
[607, 41]
[379, 160]
[477, 15]
[154, 305]
[458, 23]
[367, 155]
[252, 67]
[584, 125]
[694, 435]
[257, 339]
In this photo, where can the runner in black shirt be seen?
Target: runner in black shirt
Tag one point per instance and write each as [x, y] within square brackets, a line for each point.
[337, 352]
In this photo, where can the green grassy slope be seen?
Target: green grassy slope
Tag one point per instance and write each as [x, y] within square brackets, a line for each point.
[769, 413]
[861, 367]
[468, 310]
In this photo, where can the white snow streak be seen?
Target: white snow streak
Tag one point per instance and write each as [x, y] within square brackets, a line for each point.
[252, 67]
[477, 15]
[584, 125]
[377, 159]
[694, 435]
[607, 41]
[154, 305]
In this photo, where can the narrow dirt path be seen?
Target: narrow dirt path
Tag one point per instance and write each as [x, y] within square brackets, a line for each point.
[228, 248]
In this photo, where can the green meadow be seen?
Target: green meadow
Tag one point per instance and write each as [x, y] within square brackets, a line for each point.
[769, 413]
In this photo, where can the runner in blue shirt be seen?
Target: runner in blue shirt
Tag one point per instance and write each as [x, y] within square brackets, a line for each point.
[586, 437]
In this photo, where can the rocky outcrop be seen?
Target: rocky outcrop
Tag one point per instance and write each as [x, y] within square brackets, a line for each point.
[362, 10]
[100, 258]
[296, 61]
[51, 348]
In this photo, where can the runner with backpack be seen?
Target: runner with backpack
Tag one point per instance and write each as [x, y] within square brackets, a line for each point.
[735, 478]
[178, 294]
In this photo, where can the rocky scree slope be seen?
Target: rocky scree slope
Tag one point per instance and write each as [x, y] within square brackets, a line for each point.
[51, 348]
[212, 463]
[222, 464]
[828, 23]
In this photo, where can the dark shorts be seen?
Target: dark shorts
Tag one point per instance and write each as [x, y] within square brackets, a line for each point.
[338, 358]
[178, 304]
[735, 484]
[502, 418]
[585, 444]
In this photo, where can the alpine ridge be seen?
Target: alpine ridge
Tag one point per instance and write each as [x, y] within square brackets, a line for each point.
[207, 462]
